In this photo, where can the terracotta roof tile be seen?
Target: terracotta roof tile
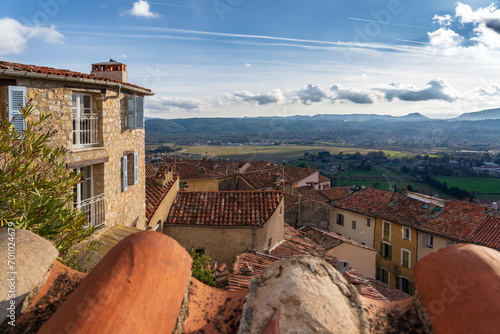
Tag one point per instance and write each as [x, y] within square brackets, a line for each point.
[365, 202]
[488, 233]
[296, 244]
[310, 193]
[261, 179]
[224, 208]
[155, 195]
[291, 201]
[407, 211]
[4, 65]
[296, 174]
[185, 170]
[329, 240]
[337, 193]
[458, 220]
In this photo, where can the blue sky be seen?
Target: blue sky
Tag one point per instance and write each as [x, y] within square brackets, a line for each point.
[221, 58]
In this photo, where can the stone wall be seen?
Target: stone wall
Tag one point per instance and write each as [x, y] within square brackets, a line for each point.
[54, 97]
[312, 213]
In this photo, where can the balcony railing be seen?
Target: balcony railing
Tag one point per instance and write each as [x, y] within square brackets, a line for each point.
[94, 207]
[85, 130]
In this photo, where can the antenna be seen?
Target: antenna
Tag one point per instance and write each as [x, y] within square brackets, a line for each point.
[175, 154]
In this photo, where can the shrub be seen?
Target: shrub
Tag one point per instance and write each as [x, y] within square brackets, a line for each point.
[201, 267]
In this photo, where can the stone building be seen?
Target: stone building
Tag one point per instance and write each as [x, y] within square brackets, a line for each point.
[226, 223]
[99, 118]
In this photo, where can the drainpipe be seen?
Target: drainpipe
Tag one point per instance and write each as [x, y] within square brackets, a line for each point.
[298, 218]
[254, 239]
[104, 98]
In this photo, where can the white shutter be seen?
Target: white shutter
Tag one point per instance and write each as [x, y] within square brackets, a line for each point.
[131, 112]
[17, 100]
[139, 115]
[124, 173]
[136, 168]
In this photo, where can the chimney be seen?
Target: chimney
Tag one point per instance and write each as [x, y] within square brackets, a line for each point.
[164, 176]
[404, 192]
[395, 198]
[494, 206]
[430, 208]
[111, 70]
[342, 266]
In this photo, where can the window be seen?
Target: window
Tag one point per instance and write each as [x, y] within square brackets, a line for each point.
[427, 240]
[135, 112]
[270, 242]
[405, 258]
[130, 170]
[450, 243]
[17, 100]
[404, 284]
[340, 219]
[353, 224]
[384, 275]
[386, 231]
[368, 222]
[406, 233]
[85, 122]
[386, 250]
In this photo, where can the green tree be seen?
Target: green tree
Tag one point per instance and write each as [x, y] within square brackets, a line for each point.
[36, 188]
[201, 267]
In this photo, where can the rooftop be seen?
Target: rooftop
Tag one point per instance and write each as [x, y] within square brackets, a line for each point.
[406, 211]
[186, 171]
[488, 233]
[329, 240]
[50, 73]
[224, 208]
[366, 202]
[155, 194]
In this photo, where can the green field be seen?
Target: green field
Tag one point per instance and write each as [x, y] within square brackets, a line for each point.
[483, 185]
[267, 153]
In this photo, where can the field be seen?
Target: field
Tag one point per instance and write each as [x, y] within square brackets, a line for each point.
[267, 153]
[478, 184]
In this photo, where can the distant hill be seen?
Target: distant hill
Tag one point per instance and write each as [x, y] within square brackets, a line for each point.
[414, 117]
[480, 115]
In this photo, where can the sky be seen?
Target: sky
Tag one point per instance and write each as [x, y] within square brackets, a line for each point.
[247, 58]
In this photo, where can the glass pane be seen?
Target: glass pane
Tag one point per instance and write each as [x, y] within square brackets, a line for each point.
[86, 104]
[74, 103]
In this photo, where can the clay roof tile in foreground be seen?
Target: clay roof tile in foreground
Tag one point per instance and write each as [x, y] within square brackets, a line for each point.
[224, 208]
[4, 65]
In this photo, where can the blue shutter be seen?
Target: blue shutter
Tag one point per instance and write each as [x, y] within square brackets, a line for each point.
[131, 112]
[124, 173]
[139, 114]
[136, 168]
[17, 100]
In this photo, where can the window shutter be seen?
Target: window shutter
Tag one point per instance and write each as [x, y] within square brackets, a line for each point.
[139, 117]
[377, 274]
[410, 288]
[382, 249]
[17, 100]
[131, 112]
[390, 253]
[136, 168]
[398, 279]
[124, 173]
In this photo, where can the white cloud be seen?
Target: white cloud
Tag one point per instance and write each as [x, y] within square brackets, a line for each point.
[248, 65]
[311, 94]
[164, 104]
[445, 37]
[141, 9]
[436, 89]
[351, 94]
[486, 21]
[15, 36]
[275, 96]
[443, 21]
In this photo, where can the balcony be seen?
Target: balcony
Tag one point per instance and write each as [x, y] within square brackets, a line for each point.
[95, 209]
[86, 130]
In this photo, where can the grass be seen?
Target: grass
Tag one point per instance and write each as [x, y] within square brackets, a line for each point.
[483, 185]
[268, 153]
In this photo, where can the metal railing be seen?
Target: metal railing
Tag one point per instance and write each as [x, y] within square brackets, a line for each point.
[95, 209]
[85, 130]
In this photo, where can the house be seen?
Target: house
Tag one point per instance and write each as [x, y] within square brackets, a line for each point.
[354, 217]
[99, 119]
[359, 256]
[227, 223]
[161, 192]
[396, 239]
[192, 177]
[250, 264]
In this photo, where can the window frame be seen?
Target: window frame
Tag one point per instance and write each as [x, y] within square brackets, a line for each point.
[401, 285]
[353, 225]
[403, 251]
[134, 112]
[388, 255]
[427, 240]
[383, 230]
[13, 114]
[403, 233]
[368, 222]
[340, 219]
[387, 274]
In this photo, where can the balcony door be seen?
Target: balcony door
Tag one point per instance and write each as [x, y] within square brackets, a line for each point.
[84, 121]
[86, 200]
